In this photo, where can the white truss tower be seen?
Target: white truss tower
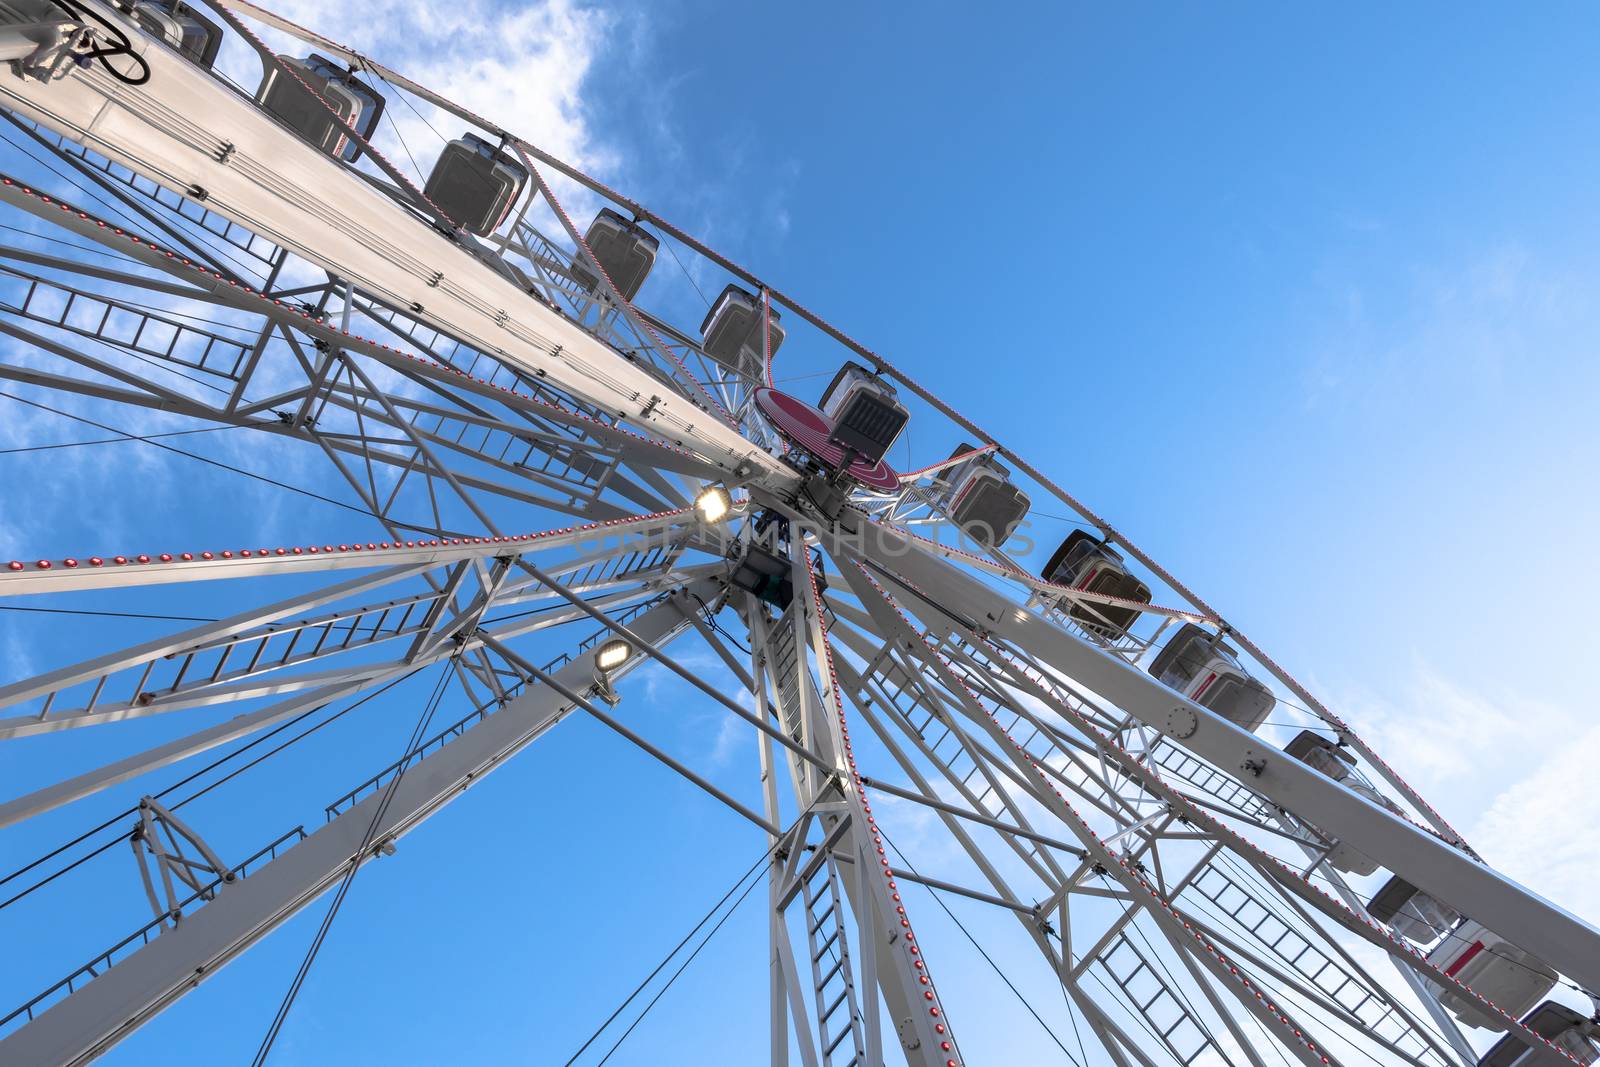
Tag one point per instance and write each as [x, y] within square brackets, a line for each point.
[527, 450]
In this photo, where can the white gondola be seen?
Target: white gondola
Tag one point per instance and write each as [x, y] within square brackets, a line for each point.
[732, 330]
[287, 97]
[1208, 672]
[1467, 951]
[1411, 913]
[1337, 763]
[979, 497]
[1085, 562]
[1514, 979]
[475, 184]
[1573, 1034]
[867, 416]
[626, 252]
[1321, 754]
[182, 27]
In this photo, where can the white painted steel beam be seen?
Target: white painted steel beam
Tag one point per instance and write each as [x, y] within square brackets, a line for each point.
[185, 128]
[120, 1000]
[1421, 858]
[59, 577]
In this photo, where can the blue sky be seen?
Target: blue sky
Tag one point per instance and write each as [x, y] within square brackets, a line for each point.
[1332, 272]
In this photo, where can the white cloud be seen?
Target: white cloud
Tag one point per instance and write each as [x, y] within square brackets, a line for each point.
[1505, 769]
[1537, 830]
[1441, 735]
[1471, 326]
[520, 66]
[732, 735]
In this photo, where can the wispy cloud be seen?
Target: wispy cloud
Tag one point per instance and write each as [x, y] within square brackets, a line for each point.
[1461, 327]
[521, 66]
[1535, 830]
[1442, 733]
[1503, 768]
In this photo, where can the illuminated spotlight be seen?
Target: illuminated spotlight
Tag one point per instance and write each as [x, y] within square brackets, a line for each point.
[612, 654]
[713, 504]
[607, 658]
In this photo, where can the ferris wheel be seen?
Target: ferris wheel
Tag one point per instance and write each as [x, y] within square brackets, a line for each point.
[553, 478]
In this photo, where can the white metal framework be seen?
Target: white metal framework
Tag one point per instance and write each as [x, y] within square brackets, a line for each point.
[537, 461]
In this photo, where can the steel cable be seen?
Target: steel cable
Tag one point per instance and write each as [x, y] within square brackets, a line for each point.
[213, 765]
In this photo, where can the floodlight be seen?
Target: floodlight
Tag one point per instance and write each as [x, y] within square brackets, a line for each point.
[713, 504]
[612, 654]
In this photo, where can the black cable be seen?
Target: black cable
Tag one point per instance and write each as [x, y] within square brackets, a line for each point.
[716, 627]
[686, 274]
[1066, 519]
[668, 957]
[557, 606]
[1072, 1017]
[203, 459]
[382, 809]
[75, 864]
[987, 958]
[307, 732]
[122, 259]
[663, 990]
[113, 206]
[214, 764]
[251, 333]
[113, 440]
[393, 125]
[121, 46]
[405, 98]
[108, 614]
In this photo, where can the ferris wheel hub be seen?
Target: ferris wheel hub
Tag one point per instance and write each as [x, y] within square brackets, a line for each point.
[808, 428]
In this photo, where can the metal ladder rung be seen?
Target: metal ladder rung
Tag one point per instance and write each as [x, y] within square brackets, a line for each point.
[838, 1000]
[838, 965]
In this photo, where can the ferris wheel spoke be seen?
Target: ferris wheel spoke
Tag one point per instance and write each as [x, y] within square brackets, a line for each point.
[189, 251]
[505, 457]
[989, 799]
[837, 868]
[249, 631]
[1099, 848]
[128, 768]
[967, 706]
[142, 976]
[1404, 1038]
[956, 696]
[1273, 868]
[632, 538]
[279, 649]
[361, 234]
[177, 217]
[957, 684]
[319, 392]
[1088, 759]
[1398, 845]
[890, 957]
[1311, 955]
[1323, 971]
[1413, 1036]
